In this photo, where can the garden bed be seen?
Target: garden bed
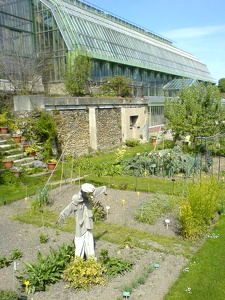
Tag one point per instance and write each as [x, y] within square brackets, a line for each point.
[25, 237]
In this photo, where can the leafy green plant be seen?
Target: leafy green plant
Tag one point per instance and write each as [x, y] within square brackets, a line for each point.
[42, 198]
[15, 254]
[78, 74]
[43, 238]
[98, 211]
[139, 279]
[114, 265]
[7, 178]
[167, 162]
[4, 262]
[149, 211]
[8, 295]
[32, 148]
[47, 270]
[82, 274]
[132, 142]
[117, 86]
[200, 202]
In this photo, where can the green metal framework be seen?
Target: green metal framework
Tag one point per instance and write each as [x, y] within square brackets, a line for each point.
[111, 39]
[16, 27]
[55, 28]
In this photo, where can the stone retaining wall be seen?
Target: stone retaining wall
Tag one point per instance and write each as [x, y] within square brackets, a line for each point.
[88, 124]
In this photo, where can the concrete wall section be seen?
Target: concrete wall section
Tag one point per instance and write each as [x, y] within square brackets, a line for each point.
[134, 123]
[92, 128]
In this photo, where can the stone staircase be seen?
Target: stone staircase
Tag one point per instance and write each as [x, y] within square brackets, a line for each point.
[8, 147]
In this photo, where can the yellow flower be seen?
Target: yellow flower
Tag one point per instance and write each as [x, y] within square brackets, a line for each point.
[123, 202]
[138, 193]
[27, 284]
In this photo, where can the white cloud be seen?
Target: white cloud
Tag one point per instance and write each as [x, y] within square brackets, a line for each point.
[193, 32]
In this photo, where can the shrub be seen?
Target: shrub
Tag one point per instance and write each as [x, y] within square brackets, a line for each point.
[82, 274]
[132, 143]
[200, 202]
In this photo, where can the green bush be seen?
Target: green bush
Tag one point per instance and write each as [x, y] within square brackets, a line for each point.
[82, 274]
[132, 143]
[201, 199]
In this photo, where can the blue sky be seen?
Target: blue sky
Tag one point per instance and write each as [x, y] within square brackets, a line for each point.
[195, 26]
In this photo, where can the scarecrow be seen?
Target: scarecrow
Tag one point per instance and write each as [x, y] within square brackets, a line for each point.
[81, 205]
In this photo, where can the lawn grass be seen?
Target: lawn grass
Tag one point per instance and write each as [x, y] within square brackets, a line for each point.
[10, 193]
[206, 276]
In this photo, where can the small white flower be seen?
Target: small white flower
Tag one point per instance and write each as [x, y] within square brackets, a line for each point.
[188, 290]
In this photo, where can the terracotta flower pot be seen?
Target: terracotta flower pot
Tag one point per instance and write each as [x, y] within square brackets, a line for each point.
[17, 173]
[51, 166]
[25, 147]
[17, 139]
[32, 154]
[153, 142]
[4, 130]
[8, 164]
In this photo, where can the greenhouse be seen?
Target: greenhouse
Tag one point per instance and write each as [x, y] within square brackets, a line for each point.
[61, 29]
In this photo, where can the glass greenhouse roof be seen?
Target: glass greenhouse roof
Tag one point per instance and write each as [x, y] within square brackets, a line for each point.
[110, 38]
[178, 84]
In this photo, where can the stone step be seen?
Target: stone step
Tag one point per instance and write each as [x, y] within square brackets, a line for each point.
[3, 146]
[17, 156]
[2, 142]
[4, 136]
[24, 161]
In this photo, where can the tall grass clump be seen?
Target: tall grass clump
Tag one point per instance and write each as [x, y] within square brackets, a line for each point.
[201, 199]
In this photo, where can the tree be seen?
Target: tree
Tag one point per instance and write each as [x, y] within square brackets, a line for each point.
[197, 111]
[117, 85]
[78, 74]
[221, 85]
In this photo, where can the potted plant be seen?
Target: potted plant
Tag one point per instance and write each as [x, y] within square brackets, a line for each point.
[8, 163]
[32, 149]
[26, 145]
[17, 135]
[16, 171]
[17, 138]
[51, 164]
[154, 140]
[3, 123]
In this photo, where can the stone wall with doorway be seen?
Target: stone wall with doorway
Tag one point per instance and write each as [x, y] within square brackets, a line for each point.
[91, 124]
